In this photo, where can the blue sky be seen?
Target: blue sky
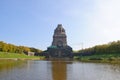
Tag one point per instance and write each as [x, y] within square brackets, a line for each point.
[32, 22]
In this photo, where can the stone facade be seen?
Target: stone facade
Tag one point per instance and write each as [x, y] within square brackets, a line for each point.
[31, 53]
[59, 47]
[59, 37]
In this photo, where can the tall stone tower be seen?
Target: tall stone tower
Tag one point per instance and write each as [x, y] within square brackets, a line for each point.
[59, 37]
[59, 47]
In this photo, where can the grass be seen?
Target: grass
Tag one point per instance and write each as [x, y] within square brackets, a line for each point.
[100, 57]
[16, 55]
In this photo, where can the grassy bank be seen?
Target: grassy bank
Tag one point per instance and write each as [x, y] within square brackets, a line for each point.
[5, 55]
[100, 57]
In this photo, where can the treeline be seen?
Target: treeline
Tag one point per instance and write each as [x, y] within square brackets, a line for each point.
[110, 48]
[6, 47]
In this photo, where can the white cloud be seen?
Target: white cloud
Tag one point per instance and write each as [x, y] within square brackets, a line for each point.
[104, 21]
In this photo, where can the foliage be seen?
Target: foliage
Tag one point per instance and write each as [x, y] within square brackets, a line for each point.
[110, 48]
[35, 50]
[105, 52]
[101, 57]
[5, 47]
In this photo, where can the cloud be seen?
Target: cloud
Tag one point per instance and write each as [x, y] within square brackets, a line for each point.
[104, 21]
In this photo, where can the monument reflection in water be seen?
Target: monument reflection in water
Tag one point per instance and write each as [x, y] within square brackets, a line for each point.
[59, 70]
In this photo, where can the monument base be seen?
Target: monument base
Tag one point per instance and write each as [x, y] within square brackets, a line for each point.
[59, 52]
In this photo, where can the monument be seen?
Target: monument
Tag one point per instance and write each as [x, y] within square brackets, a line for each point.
[59, 47]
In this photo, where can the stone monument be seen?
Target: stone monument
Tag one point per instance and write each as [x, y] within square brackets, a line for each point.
[59, 47]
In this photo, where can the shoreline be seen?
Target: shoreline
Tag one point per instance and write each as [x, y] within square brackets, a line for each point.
[21, 58]
[17, 56]
[99, 61]
[93, 61]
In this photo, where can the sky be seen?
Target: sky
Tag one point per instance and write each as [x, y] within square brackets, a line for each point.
[32, 22]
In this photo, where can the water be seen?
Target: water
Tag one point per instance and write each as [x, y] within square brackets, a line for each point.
[58, 70]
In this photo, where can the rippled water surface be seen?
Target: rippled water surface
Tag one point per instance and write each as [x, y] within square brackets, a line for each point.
[58, 70]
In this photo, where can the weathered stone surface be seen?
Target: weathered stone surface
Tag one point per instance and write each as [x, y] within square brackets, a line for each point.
[59, 37]
[59, 47]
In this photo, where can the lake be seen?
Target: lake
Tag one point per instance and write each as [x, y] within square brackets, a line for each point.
[57, 70]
